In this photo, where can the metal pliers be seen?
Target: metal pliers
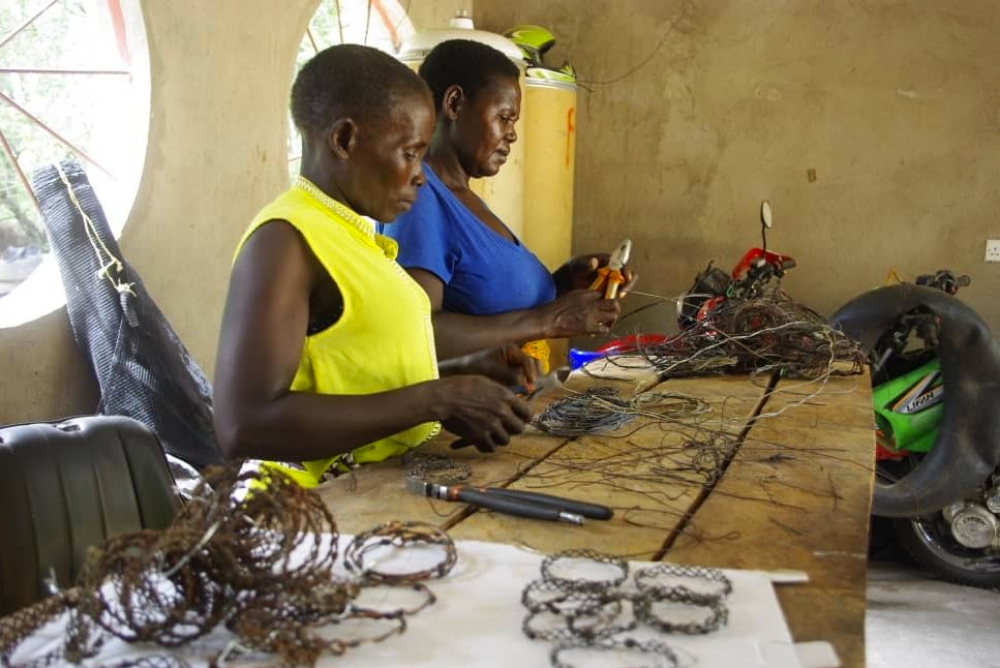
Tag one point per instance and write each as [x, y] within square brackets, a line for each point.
[610, 278]
[514, 501]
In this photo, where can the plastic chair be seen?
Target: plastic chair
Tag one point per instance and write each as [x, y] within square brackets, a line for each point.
[67, 486]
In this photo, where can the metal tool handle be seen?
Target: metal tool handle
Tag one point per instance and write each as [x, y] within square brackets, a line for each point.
[608, 281]
[602, 276]
[512, 506]
[615, 281]
[591, 510]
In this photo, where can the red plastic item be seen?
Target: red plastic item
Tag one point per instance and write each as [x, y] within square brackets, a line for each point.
[751, 258]
[631, 343]
[882, 452]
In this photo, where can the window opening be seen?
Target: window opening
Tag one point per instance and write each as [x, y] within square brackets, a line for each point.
[74, 83]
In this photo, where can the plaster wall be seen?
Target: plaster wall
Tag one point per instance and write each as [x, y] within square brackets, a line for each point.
[872, 126]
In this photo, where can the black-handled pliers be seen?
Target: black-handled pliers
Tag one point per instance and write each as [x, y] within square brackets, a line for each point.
[514, 501]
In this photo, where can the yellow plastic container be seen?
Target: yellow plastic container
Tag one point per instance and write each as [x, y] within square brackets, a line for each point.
[549, 141]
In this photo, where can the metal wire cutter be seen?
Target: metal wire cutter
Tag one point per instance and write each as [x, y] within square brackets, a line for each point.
[610, 278]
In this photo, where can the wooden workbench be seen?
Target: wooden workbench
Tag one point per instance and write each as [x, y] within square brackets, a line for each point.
[794, 492]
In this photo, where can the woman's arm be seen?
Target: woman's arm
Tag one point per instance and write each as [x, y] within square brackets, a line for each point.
[263, 329]
[573, 314]
[508, 365]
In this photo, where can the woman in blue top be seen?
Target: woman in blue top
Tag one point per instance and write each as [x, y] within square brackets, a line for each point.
[485, 287]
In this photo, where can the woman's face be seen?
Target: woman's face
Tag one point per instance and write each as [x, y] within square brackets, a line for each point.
[386, 160]
[484, 129]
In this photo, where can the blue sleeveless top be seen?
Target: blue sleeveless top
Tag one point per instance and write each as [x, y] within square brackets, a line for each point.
[483, 272]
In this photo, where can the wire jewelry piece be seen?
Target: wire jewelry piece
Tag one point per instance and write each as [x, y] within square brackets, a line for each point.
[553, 563]
[646, 582]
[658, 654]
[399, 535]
[586, 612]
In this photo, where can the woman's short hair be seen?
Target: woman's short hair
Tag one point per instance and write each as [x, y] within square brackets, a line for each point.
[349, 80]
[471, 65]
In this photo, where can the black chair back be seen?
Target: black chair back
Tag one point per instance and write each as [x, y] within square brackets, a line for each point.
[67, 486]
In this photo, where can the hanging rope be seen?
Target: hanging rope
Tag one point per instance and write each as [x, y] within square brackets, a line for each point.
[111, 268]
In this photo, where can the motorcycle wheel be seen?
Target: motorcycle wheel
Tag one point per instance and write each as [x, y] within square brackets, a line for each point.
[929, 541]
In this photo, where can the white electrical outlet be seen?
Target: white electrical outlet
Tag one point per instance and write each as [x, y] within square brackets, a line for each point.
[993, 250]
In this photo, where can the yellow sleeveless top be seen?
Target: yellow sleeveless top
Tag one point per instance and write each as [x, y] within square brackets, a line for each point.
[384, 338]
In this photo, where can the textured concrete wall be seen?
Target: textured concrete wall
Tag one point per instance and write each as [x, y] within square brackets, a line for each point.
[696, 111]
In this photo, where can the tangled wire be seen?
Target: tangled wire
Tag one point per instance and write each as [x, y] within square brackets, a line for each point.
[755, 335]
[601, 410]
[585, 601]
[767, 334]
[256, 554]
[437, 469]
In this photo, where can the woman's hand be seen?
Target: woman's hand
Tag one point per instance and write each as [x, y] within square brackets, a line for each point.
[579, 312]
[507, 365]
[480, 411]
[580, 272]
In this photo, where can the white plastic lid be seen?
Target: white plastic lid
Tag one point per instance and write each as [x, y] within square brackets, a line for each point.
[416, 47]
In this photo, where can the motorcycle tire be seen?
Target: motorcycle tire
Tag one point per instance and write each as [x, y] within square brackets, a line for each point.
[929, 543]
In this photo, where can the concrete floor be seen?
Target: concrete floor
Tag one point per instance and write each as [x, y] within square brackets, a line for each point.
[917, 622]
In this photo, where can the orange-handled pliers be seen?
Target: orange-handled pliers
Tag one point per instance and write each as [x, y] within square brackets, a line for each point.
[612, 274]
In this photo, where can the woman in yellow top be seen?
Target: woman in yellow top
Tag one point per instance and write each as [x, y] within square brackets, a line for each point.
[327, 349]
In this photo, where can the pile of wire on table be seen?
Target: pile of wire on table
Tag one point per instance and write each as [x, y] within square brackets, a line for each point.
[254, 552]
[755, 335]
[601, 409]
[586, 602]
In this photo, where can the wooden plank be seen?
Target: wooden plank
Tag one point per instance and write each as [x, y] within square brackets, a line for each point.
[376, 493]
[645, 475]
[798, 496]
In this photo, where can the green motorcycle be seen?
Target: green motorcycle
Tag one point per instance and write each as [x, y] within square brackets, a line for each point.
[936, 393]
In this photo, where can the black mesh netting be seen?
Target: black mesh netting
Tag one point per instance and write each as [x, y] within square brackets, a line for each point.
[143, 369]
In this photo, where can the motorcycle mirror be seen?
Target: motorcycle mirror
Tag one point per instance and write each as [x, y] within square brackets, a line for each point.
[765, 214]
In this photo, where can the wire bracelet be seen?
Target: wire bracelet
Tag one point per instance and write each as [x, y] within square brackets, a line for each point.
[427, 599]
[658, 654]
[646, 583]
[715, 618]
[549, 570]
[547, 596]
[399, 535]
